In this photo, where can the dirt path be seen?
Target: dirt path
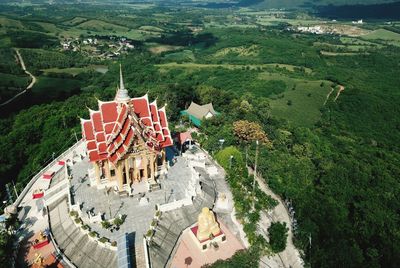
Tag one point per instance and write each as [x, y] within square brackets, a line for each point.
[290, 257]
[329, 94]
[341, 88]
[32, 83]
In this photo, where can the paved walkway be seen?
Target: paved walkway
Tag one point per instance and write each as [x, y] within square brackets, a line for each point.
[290, 257]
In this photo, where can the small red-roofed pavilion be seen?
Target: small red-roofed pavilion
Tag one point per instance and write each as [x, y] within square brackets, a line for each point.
[126, 139]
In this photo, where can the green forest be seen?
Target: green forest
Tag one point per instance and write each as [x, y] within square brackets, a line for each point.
[329, 105]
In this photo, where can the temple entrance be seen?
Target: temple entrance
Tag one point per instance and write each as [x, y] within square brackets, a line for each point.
[123, 176]
[159, 160]
[132, 174]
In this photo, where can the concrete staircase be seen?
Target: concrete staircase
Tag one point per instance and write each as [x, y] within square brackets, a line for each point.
[173, 222]
[76, 245]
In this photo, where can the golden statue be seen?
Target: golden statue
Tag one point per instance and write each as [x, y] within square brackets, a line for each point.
[38, 260]
[42, 236]
[207, 225]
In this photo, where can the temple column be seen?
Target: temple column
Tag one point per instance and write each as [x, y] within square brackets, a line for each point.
[164, 160]
[119, 174]
[107, 170]
[152, 167]
[97, 172]
[127, 174]
[135, 170]
[145, 165]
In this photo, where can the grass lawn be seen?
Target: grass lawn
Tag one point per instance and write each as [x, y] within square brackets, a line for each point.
[156, 48]
[328, 53]
[389, 37]
[301, 106]
[150, 28]
[75, 21]
[49, 27]
[184, 55]
[10, 23]
[191, 65]
[100, 26]
[77, 70]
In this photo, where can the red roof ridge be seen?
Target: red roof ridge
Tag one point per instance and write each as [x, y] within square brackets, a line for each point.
[118, 125]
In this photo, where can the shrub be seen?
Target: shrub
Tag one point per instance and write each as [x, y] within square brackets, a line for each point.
[104, 239]
[85, 227]
[105, 224]
[93, 234]
[149, 233]
[223, 157]
[118, 221]
[278, 236]
[73, 213]
[153, 223]
[78, 220]
[114, 243]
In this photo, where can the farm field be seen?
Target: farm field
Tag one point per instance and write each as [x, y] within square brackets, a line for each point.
[385, 36]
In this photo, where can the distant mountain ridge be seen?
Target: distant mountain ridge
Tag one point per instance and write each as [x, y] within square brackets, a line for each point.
[258, 4]
[310, 3]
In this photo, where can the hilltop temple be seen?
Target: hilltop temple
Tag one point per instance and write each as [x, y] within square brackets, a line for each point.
[126, 140]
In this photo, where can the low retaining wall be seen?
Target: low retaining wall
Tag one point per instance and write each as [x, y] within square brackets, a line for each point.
[175, 204]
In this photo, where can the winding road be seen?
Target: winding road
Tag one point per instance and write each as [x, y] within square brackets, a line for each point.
[290, 257]
[341, 88]
[28, 73]
[329, 94]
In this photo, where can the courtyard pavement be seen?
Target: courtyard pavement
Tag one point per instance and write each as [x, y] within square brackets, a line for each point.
[138, 214]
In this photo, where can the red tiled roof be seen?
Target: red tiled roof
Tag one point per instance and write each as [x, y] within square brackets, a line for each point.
[108, 128]
[96, 121]
[108, 111]
[100, 137]
[184, 136]
[91, 145]
[87, 129]
[165, 130]
[110, 132]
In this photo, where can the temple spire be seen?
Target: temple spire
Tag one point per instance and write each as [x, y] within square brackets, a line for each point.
[121, 79]
[122, 93]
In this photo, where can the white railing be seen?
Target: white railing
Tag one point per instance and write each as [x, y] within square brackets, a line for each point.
[176, 204]
[146, 254]
[41, 172]
[55, 197]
